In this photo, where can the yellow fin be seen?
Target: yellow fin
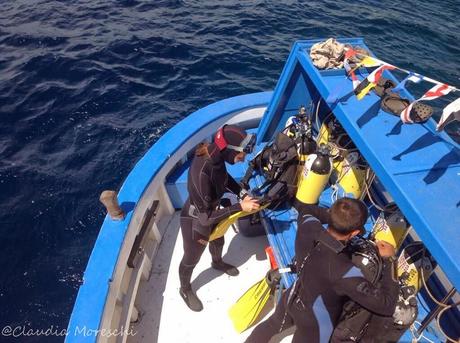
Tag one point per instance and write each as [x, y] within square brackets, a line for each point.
[249, 307]
[225, 224]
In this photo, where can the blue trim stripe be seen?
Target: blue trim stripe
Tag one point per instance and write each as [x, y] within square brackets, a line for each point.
[92, 295]
[324, 320]
[353, 272]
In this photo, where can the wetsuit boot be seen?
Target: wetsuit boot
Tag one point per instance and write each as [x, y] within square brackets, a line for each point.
[185, 291]
[191, 299]
[215, 248]
[225, 267]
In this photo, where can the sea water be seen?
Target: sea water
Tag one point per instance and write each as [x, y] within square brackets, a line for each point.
[86, 87]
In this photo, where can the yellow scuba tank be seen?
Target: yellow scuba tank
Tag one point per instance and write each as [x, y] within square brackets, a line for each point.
[391, 228]
[307, 146]
[414, 263]
[350, 176]
[314, 176]
[324, 134]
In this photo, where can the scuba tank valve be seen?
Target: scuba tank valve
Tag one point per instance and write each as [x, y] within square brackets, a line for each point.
[307, 145]
[299, 127]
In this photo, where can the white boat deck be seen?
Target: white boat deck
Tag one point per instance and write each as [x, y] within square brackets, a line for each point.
[165, 316]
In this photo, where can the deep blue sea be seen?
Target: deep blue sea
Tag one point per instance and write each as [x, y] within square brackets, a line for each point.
[86, 87]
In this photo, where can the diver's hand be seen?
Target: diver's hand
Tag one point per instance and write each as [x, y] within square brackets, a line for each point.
[385, 249]
[249, 204]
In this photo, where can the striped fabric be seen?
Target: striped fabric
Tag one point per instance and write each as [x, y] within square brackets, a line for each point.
[371, 81]
[433, 93]
[350, 72]
[450, 113]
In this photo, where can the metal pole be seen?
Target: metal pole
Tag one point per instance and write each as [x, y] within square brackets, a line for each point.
[434, 312]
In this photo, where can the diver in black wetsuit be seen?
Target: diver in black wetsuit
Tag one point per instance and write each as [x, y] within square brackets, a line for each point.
[327, 276]
[208, 180]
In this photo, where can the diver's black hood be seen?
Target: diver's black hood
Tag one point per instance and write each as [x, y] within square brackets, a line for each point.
[217, 156]
[233, 135]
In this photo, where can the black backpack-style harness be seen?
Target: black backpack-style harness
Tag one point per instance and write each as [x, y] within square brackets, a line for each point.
[278, 163]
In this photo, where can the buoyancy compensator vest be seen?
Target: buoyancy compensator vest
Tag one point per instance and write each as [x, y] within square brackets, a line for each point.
[277, 163]
[364, 254]
[414, 262]
[299, 127]
[392, 227]
[354, 318]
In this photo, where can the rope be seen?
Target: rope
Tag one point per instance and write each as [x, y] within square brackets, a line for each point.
[317, 116]
[335, 192]
[455, 89]
[319, 129]
[367, 185]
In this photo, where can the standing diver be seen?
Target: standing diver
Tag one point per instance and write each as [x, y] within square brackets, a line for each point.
[327, 277]
[208, 180]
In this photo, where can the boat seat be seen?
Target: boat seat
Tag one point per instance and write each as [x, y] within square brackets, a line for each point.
[176, 181]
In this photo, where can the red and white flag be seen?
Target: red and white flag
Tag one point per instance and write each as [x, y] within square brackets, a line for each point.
[371, 81]
[375, 76]
[354, 79]
[450, 113]
[433, 93]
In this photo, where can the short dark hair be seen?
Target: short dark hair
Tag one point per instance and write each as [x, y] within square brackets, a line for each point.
[347, 215]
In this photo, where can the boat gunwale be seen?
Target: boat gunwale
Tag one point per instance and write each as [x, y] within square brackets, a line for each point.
[88, 310]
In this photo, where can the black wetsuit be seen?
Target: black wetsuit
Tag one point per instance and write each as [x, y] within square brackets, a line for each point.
[314, 303]
[208, 180]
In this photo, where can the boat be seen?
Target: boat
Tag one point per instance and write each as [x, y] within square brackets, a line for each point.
[130, 286]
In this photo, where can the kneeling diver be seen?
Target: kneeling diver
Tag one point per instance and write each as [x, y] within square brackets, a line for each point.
[327, 277]
[207, 181]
